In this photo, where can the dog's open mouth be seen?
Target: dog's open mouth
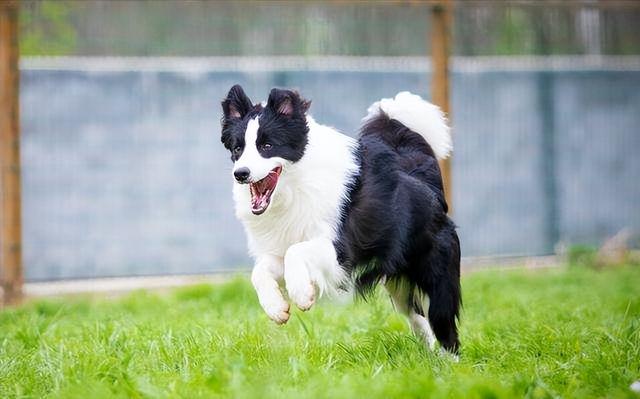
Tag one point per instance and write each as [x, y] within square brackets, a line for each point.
[262, 190]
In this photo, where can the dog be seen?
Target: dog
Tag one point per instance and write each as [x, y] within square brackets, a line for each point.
[324, 212]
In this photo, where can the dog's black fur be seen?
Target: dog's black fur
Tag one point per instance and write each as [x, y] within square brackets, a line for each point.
[283, 124]
[395, 225]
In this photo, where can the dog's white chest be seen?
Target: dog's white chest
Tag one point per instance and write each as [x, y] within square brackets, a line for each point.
[309, 196]
[296, 215]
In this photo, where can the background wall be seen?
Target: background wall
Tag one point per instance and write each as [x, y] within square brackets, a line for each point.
[123, 171]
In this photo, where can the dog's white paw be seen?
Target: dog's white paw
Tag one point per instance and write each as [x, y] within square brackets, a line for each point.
[279, 314]
[277, 310]
[302, 294]
[454, 357]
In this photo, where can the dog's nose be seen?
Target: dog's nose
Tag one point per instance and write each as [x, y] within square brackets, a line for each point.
[242, 174]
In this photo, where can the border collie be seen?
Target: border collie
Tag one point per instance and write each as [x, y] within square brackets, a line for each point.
[324, 212]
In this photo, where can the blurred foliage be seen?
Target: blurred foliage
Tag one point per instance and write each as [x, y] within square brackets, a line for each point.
[207, 28]
[582, 256]
[47, 28]
[512, 34]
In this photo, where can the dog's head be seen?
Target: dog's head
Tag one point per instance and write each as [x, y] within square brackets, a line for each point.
[263, 140]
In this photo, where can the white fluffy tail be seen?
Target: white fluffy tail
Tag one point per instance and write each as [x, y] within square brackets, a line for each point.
[418, 115]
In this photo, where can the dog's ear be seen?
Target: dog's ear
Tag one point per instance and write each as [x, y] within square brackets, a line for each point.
[237, 104]
[287, 103]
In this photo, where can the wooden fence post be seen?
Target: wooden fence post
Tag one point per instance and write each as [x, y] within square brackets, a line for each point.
[11, 276]
[441, 17]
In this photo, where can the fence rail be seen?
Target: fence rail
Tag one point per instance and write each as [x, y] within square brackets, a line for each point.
[199, 65]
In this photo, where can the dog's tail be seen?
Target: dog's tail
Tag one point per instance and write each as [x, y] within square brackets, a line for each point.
[418, 115]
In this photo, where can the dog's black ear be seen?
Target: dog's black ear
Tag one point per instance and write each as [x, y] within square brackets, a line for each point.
[237, 104]
[287, 103]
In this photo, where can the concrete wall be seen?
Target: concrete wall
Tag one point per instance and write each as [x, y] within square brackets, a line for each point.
[124, 173]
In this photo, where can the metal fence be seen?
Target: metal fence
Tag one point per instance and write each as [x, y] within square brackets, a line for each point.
[123, 172]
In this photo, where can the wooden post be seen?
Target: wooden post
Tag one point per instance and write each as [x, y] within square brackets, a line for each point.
[441, 16]
[10, 218]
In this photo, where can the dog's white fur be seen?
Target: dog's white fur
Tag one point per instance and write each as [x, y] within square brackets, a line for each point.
[398, 291]
[292, 241]
[420, 116]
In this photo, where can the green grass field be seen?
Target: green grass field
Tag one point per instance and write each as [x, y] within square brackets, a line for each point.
[567, 332]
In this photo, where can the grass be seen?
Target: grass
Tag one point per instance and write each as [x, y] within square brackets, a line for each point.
[567, 332]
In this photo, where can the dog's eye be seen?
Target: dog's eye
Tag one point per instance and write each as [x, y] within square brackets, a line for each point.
[265, 146]
[237, 150]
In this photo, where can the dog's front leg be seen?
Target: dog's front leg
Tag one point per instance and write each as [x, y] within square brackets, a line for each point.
[309, 267]
[267, 271]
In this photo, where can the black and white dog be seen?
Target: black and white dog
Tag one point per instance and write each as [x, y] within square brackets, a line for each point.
[323, 211]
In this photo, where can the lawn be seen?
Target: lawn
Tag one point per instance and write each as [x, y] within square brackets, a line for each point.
[565, 332]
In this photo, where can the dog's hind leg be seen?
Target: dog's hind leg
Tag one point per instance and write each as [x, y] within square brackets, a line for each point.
[408, 301]
[440, 279]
